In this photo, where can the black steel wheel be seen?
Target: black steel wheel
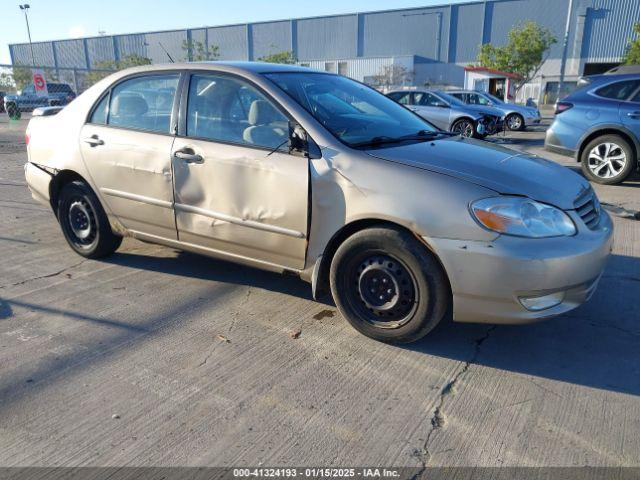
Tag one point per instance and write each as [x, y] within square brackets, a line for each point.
[13, 111]
[388, 285]
[84, 223]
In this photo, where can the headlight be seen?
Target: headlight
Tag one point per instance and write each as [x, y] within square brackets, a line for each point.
[522, 217]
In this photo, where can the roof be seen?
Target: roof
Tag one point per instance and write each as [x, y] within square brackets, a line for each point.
[472, 68]
[238, 67]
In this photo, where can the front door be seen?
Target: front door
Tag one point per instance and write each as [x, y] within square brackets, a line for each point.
[238, 190]
[126, 146]
[428, 106]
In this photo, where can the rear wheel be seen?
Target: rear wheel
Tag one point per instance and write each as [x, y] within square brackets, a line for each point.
[388, 285]
[465, 128]
[608, 160]
[515, 122]
[84, 222]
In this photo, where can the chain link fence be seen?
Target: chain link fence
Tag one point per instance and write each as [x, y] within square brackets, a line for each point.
[25, 87]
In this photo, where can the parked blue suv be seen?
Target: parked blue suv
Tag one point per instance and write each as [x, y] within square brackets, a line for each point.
[599, 124]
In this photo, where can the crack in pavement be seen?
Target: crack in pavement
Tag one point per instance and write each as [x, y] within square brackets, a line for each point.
[49, 275]
[438, 419]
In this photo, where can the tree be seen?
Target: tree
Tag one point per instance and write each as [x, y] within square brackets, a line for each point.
[286, 57]
[107, 67]
[198, 52]
[527, 48]
[393, 75]
[632, 54]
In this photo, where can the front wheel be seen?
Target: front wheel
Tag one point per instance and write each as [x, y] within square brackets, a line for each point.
[515, 122]
[608, 160]
[388, 285]
[84, 222]
[464, 128]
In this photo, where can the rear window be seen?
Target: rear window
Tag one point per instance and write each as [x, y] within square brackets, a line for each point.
[618, 90]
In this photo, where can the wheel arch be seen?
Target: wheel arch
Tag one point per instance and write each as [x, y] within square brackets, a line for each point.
[62, 178]
[320, 281]
[609, 130]
[462, 117]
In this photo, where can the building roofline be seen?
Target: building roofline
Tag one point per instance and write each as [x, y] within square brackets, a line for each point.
[204, 27]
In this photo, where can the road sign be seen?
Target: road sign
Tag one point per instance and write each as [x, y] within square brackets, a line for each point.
[40, 83]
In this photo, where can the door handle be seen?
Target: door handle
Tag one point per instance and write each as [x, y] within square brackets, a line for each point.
[94, 141]
[633, 114]
[188, 156]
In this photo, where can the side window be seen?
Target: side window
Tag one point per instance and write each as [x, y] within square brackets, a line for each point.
[618, 90]
[636, 97]
[144, 103]
[428, 100]
[225, 109]
[29, 89]
[99, 115]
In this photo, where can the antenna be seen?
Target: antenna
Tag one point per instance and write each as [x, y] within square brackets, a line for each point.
[165, 51]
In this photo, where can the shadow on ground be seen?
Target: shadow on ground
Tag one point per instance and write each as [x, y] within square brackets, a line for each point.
[597, 345]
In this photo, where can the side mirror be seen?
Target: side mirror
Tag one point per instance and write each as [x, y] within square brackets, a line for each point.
[300, 144]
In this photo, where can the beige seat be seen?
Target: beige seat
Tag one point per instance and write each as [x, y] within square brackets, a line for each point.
[267, 126]
[128, 109]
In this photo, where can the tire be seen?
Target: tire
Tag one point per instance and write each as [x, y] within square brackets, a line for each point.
[370, 260]
[515, 122]
[465, 128]
[13, 111]
[608, 160]
[84, 222]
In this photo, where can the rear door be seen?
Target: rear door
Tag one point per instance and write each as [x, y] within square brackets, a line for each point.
[238, 190]
[630, 112]
[126, 144]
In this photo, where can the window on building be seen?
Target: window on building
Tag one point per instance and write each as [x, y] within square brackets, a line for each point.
[618, 90]
[230, 110]
[144, 103]
[330, 67]
[343, 68]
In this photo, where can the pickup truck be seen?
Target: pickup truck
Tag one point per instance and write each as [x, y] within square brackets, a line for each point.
[59, 94]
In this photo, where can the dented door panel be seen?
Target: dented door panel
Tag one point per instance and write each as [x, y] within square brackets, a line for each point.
[132, 170]
[243, 201]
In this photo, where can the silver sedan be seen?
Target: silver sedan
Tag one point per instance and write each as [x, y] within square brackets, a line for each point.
[312, 174]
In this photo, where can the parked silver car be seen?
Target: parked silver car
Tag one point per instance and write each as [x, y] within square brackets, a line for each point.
[293, 170]
[517, 117]
[449, 113]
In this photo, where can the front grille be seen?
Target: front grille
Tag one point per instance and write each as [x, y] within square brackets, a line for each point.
[588, 208]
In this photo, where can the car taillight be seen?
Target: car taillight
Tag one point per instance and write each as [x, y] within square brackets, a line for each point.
[27, 137]
[562, 107]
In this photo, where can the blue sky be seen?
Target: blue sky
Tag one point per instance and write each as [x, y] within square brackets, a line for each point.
[56, 19]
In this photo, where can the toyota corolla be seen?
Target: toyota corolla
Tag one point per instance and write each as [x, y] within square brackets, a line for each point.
[293, 170]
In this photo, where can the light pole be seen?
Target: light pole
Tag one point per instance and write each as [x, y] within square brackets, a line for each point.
[24, 7]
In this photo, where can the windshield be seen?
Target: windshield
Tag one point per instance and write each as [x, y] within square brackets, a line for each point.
[354, 113]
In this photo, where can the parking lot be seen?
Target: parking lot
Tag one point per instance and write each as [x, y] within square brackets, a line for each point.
[154, 357]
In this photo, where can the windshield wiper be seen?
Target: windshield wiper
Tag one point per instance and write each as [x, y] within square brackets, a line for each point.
[421, 135]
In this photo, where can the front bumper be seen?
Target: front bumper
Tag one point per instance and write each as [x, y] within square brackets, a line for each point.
[488, 279]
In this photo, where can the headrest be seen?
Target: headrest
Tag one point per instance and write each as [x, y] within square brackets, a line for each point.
[130, 104]
[262, 113]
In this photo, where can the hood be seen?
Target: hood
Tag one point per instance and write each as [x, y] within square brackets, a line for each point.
[481, 109]
[500, 169]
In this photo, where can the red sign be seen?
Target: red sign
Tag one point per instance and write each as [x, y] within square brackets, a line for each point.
[40, 83]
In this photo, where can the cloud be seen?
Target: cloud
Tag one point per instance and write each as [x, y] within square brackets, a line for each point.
[77, 31]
